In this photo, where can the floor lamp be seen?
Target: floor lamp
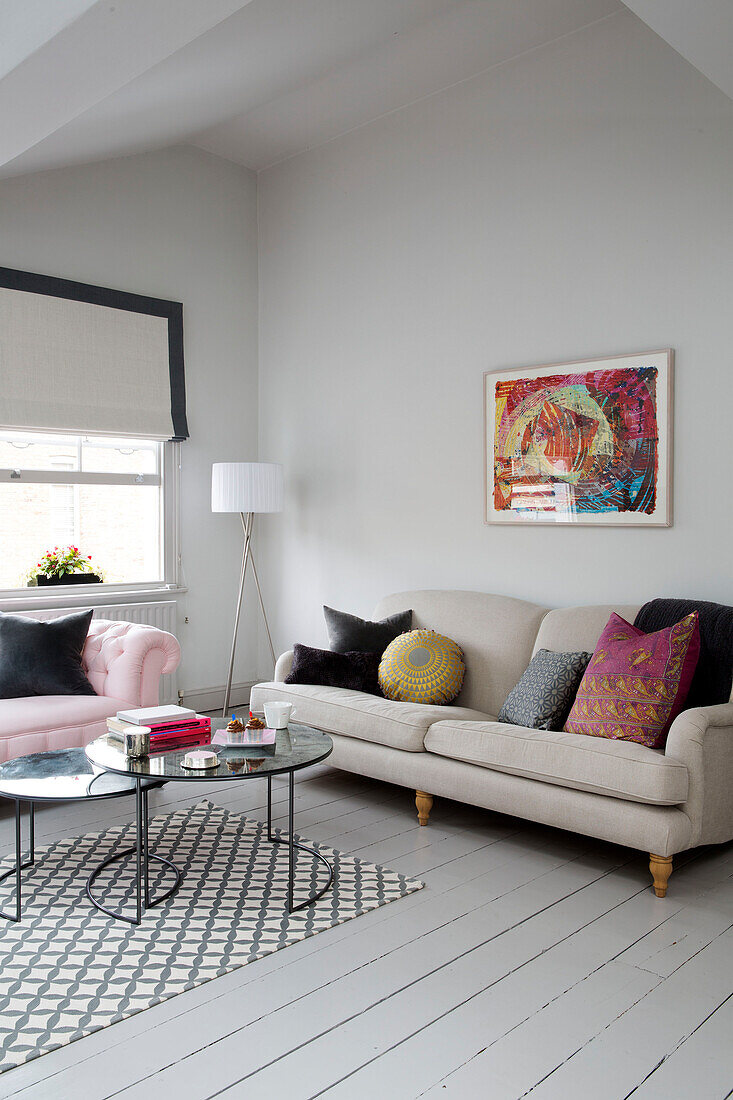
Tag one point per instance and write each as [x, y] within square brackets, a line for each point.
[247, 488]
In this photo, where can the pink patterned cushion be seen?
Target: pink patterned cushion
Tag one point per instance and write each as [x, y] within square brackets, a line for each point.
[636, 683]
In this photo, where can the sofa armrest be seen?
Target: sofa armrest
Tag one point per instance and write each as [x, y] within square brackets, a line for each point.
[283, 666]
[126, 660]
[702, 739]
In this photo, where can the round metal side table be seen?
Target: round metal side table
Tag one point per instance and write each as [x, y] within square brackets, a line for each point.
[296, 748]
[62, 775]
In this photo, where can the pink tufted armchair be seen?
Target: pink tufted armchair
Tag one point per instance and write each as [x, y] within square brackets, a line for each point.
[124, 663]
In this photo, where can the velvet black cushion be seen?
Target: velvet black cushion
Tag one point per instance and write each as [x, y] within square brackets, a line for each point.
[713, 677]
[350, 634]
[357, 671]
[39, 658]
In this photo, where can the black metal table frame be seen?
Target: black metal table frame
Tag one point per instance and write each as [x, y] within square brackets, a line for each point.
[141, 851]
[19, 865]
[142, 859]
[292, 845]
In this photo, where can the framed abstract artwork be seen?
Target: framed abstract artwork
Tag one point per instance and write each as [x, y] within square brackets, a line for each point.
[588, 442]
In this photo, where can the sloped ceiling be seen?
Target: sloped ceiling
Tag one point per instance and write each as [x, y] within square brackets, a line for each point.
[62, 57]
[701, 30]
[254, 82]
[257, 81]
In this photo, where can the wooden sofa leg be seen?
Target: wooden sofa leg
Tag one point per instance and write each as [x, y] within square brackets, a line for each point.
[424, 803]
[661, 869]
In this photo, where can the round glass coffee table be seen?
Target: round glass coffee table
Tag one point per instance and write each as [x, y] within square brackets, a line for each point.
[62, 775]
[295, 748]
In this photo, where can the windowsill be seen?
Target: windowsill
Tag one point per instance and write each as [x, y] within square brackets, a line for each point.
[87, 595]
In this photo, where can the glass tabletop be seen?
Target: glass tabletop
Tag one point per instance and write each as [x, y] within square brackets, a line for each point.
[62, 775]
[296, 748]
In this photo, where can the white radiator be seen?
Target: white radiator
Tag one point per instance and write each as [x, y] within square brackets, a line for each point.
[160, 613]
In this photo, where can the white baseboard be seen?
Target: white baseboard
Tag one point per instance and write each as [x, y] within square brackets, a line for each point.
[206, 699]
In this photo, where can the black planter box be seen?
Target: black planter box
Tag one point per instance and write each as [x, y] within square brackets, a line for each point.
[70, 578]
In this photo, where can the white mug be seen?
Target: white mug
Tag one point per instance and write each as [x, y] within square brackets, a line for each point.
[277, 715]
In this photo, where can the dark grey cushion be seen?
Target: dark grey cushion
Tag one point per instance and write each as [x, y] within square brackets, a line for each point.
[543, 697]
[43, 658]
[357, 671]
[350, 634]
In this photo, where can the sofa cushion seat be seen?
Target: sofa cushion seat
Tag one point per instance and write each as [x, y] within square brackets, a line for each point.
[619, 769]
[356, 714]
[39, 723]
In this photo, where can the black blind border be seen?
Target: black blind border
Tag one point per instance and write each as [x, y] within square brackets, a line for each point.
[54, 287]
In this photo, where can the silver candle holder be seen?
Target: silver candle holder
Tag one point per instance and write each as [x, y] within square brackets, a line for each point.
[136, 745]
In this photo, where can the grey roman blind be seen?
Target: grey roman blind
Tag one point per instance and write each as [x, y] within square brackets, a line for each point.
[79, 358]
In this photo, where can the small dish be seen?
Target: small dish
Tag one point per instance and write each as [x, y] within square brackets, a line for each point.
[200, 760]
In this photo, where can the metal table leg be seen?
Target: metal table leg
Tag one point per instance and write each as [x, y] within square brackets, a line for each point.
[139, 848]
[146, 848]
[270, 837]
[18, 856]
[291, 849]
[292, 845]
[142, 862]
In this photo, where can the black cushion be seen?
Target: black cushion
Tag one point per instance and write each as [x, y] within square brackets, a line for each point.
[350, 634]
[543, 697]
[39, 658]
[713, 677]
[357, 671]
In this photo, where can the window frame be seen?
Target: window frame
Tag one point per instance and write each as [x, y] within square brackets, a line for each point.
[68, 595]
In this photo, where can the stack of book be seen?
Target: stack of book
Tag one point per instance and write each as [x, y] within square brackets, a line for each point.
[169, 727]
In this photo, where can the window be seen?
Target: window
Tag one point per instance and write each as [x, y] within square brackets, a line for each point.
[105, 495]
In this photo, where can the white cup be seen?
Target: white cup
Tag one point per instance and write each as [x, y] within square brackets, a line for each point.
[277, 715]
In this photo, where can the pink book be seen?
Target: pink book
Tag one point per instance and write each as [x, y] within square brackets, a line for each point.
[172, 741]
[192, 725]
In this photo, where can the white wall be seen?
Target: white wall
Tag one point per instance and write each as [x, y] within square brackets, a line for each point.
[573, 203]
[176, 224]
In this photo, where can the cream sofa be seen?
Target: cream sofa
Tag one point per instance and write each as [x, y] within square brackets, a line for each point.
[659, 801]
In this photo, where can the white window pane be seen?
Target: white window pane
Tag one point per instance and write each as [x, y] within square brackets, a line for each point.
[37, 452]
[119, 456]
[24, 530]
[119, 526]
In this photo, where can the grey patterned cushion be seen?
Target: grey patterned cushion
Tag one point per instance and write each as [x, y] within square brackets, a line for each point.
[543, 697]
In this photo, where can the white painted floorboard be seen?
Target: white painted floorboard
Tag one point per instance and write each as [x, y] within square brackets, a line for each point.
[534, 963]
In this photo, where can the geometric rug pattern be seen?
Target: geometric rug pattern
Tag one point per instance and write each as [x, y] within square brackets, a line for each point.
[67, 970]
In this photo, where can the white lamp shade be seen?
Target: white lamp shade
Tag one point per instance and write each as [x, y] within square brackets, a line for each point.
[246, 487]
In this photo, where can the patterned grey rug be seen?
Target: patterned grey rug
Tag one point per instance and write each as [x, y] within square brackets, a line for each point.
[67, 970]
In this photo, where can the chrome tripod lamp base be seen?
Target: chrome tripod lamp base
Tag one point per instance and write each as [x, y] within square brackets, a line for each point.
[248, 488]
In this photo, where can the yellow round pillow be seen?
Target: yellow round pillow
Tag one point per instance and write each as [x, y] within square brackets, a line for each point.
[421, 667]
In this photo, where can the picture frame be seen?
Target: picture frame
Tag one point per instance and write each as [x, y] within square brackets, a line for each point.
[587, 442]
